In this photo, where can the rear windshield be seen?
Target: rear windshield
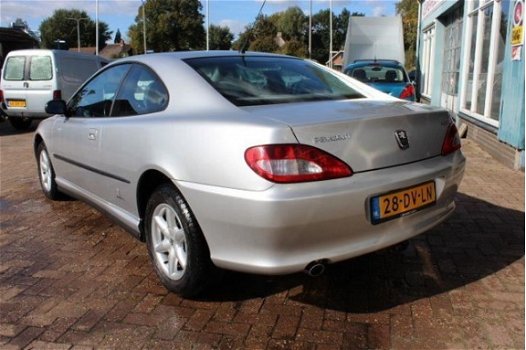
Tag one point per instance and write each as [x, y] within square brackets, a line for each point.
[378, 73]
[40, 68]
[14, 68]
[250, 81]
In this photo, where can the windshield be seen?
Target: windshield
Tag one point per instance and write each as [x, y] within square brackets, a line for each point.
[376, 73]
[249, 81]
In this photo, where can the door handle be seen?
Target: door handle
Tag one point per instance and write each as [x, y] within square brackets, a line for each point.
[92, 134]
[26, 84]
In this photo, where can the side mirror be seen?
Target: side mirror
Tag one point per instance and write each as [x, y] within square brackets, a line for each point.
[57, 107]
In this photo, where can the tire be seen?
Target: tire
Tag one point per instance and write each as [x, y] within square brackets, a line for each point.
[20, 123]
[176, 245]
[46, 173]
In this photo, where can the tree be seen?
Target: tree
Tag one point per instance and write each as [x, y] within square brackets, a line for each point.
[60, 27]
[408, 9]
[259, 36]
[292, 23]
[220, 37]
[171, 25]
[321, 32]
[117, 37]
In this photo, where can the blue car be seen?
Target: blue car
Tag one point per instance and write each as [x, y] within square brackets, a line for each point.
[388, 76]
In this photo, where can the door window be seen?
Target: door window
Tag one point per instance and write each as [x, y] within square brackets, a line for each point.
[14, 68]
[40, 68]
[96, 97]
[142, 92]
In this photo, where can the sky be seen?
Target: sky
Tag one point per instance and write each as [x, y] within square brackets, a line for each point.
[236, 14]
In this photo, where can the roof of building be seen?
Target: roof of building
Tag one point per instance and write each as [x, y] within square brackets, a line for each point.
[16, 35]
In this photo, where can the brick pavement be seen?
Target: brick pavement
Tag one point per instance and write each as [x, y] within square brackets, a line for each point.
[70, 279]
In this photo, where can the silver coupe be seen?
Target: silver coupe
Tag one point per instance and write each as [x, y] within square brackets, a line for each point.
[251, 162]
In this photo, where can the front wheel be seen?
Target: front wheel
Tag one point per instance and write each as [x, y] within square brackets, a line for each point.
[176, 244]
[46, 173]
[20, 123]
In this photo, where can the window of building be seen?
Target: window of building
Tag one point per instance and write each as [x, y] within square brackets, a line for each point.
[428, 60]
[451, 65]
[486, 29]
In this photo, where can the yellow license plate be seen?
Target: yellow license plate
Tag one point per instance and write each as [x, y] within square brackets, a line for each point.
[16, 103]
[402, 202]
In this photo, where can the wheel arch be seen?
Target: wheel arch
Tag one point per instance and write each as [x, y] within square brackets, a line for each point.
[37, 140]
[148, 182]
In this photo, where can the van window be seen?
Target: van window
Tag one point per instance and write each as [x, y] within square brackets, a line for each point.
[77, 70]
[40, 68]
[14, 68]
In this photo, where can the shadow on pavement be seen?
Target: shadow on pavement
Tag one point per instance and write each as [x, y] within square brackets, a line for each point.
[6, 129]
[478, 240]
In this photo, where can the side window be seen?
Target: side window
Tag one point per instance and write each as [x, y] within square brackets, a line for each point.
[77, 70]
[96, 97]
[40, 68]
[14, 68]
[142, 92]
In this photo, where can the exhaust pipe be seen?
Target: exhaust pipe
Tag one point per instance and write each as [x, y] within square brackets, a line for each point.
[315, 268]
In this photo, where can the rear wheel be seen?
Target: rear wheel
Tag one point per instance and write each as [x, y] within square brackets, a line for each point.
[20, 123]
[46, 173]
[176, 244]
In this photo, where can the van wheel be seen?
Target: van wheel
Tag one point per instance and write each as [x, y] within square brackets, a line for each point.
[176, 245]
[20, 123]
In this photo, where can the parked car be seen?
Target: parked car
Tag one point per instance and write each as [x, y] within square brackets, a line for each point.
[252, 162]
[388, 76]
[33, 77]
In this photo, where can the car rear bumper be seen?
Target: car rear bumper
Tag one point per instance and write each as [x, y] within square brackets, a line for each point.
[286, 227]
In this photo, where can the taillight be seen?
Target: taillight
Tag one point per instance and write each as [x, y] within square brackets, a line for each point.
[288, 163]
[1, 96]
[451, 141]
[57, 95]
[409, 91]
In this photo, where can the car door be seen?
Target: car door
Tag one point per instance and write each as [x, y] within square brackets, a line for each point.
[77, 156]
[14, 83]
[141, 94]
[40, 84]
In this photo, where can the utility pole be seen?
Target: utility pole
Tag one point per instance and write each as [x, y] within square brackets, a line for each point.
[330, 33]
[78, 29]
[144, 26]
[97, 27]
[310, 29]
[207, 25]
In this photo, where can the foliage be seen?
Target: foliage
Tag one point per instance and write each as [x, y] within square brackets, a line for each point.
[292, 23]
[260, 36]
[220, 38]
[117, 37]
[60, 27]
[408, 9]
[321, 33]
[171, 25]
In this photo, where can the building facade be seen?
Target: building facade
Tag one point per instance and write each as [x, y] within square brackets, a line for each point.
[471, 61]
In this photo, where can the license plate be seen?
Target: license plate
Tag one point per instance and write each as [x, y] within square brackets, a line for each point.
[402, 202]
[16, 103]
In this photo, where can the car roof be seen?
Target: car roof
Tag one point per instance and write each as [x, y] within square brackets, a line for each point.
[182, 55]
[384, 63]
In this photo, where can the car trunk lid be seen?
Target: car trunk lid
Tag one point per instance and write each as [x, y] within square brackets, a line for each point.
[366, 134]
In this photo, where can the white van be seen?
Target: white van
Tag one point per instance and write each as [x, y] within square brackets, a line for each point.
[30, 78]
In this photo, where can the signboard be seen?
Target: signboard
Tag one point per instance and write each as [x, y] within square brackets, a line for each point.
[429, 6]
[517, 30]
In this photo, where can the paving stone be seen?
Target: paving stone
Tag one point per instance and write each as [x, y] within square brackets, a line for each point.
[70, 278]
